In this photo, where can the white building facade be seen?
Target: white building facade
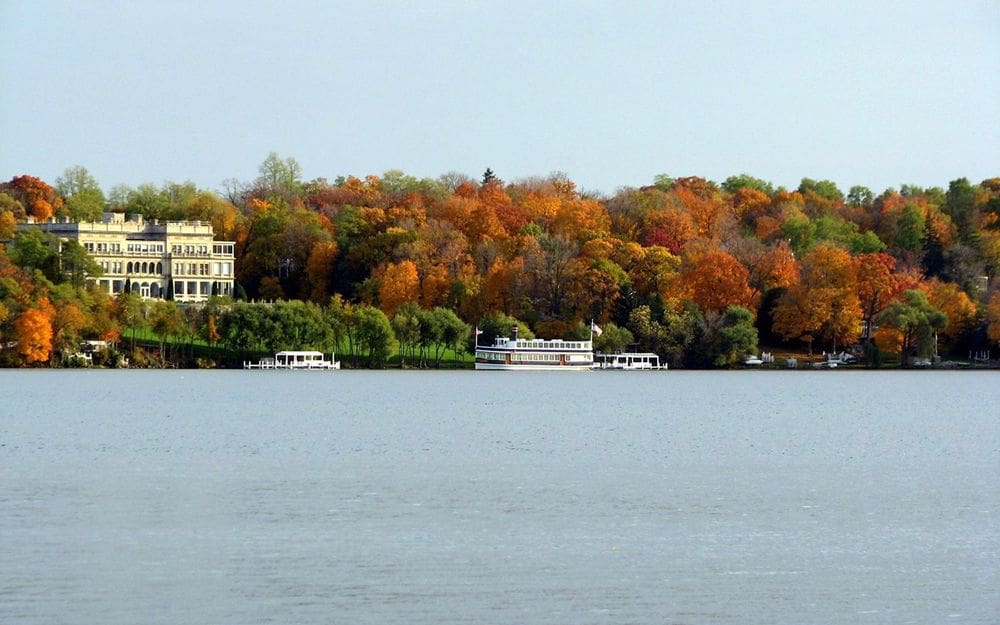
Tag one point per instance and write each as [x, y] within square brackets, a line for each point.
[153, 258]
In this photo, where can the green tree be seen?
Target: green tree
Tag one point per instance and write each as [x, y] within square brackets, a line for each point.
[667, 332]
[613, 339]
[733, 184]
[76, 264]
[280, 177]
[165, 320]
[130, 313]
[499, 324]
[407, 328]
[296, 325]
[860, 196]
[663, 182]
[454, 333]
[35, 249]
[374, 335]
[799, 231]
[338, 316]
[911, 229]
[917, 321]
[735, 338]
[84, 198]
[149, 201]
[11, 205]
[960, 206]
[826, 189]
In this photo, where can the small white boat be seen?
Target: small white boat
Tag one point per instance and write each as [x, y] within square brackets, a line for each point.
[295, 360]
[629, 361]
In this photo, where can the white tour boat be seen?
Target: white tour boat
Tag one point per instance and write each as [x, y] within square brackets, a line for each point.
[629, 361]
[295, 360]
[513, 354]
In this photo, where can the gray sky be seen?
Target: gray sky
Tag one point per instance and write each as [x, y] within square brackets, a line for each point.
[612, 93]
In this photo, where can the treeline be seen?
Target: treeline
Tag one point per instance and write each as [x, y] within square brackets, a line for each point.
[697, 271]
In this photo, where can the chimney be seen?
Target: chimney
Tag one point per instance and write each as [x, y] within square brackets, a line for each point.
[513, 333]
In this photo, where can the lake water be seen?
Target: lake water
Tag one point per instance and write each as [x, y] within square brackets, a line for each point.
[235, 497]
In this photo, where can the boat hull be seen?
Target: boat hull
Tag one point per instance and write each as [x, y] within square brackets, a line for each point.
[492, 366]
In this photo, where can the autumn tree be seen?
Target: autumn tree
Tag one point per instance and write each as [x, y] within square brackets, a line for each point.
[671, 228]
[954, 303]
[716, 281]
[876, 286]
[655, 272]
[824, 304]
[69, 320]
[319, 269]
[993, 318]
[398, 283]
[33, 329]
[39, 199]
[548, 260]
[504, 285]
[769, 266]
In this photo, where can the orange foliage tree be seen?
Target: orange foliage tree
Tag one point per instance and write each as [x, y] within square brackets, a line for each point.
[36, 195]
[876, 286]
[319, 268]
[398, 283]
[717, 280]
[954, 303]
[503, 286]
[703, 204]
[671, 228]
[824, 304]
[993, 318]
[749, 205]
[33, 329]
[770, 268]
[434, 286]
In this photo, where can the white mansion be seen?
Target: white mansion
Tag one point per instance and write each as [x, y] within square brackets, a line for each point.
[148, 257]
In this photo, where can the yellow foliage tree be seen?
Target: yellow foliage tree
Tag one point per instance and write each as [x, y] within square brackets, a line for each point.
[435, 286]
[33, 329]
[825, 301]
[398, 283]
[954, 303]
[8, 225]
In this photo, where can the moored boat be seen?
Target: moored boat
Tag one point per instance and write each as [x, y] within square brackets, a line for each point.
[295, 360]
[628, 361]
[513, 354]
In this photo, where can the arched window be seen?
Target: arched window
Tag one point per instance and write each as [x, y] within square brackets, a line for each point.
[159, 268]
[129, 268]
[154, 290]
[145, 268]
